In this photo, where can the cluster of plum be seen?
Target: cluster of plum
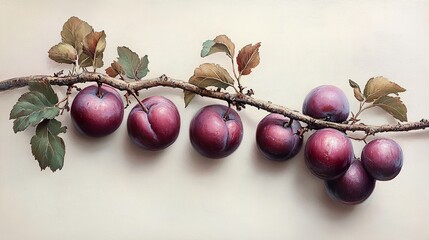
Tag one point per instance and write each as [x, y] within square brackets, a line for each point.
[329, 153]
[216, 131]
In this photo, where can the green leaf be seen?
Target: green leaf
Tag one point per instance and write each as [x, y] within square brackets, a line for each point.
[220, 44]
[49, 149]
[248, 58]
[207, 46]
[380, 86]
[356, 90]
[34, 106]
[63, 53]
[394, 106]
[134, 67]
[206, 75]
[74, 30]
[93, 47]
[142, 68]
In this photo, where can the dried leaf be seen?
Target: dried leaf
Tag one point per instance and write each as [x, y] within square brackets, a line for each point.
[74, 30]
[133, 66]
[49, 149]
[94, 44]
[63, 53]
[208, 74]
[93, 47]
[220, 44]
[356, 90]
[353, 84]
[248, 58]
[85, 60]
[380, 86]
[114, 70]
[394, 106]
[188, 96]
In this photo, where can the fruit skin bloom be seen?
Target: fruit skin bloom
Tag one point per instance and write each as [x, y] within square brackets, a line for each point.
[327, 102]
[97, 116]
[216, 131]
[157, 128]
[382, 158]
[354, 187]
[277, 138]
[328, 153]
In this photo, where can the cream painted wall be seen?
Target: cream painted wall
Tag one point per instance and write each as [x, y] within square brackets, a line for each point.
[110, 189]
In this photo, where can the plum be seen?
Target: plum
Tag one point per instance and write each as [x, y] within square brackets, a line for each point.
[277, 138]
[157, 128]
[327, 102]
[97, 114]
[382, 158]
[354, 187]
[216, 131]
[328, 153]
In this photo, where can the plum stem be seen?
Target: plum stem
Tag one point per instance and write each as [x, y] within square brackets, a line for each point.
[133, 93]
[288, 123]
[360, 138]
[234, 99]
[99, 92]
[226, 115]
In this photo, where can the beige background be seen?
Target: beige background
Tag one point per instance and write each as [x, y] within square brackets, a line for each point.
[110, 189]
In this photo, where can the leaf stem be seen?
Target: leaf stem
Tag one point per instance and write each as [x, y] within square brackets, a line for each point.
[240, 87]
[233, 68]
[361, 109]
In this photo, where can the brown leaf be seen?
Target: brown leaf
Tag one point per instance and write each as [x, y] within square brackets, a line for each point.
[114, 70]
[206, 75]
[220, 44]
[85, 60]
[74, 30]
[248, 58]
[63, 53]
[380, 86]
[356, 90]
[94, 43]
[210, 74]
[394, 106]
[188, 96]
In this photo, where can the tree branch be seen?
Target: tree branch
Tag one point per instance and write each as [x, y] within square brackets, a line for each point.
[237, 98]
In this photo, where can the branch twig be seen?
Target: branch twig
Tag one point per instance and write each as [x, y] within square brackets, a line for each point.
[236, 98]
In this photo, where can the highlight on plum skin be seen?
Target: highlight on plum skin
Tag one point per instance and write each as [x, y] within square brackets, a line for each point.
[327, 102]
[278, 138]
[157, 128]
[328, 153]
[216, 131]
[382, 158]
[353, 187]
[97, 116]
